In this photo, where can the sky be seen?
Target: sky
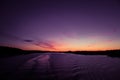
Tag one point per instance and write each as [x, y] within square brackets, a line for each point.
[60, 25]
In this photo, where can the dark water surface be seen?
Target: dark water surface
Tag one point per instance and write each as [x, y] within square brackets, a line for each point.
[60, 66]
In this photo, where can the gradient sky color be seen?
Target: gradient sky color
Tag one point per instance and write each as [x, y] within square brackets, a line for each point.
[60, 25]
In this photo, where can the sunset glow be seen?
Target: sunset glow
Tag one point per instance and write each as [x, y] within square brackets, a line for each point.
[61, 25]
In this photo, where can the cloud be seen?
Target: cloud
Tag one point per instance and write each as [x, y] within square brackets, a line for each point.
[28, 40]
[42, 43]
[45, 45]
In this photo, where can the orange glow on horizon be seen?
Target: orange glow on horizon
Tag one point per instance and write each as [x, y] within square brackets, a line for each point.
[72, 48]
[73, 44]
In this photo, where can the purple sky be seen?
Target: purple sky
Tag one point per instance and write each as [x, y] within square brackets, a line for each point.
[60, 24]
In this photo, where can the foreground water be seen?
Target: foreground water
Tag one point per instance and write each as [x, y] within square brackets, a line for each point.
[59, 66]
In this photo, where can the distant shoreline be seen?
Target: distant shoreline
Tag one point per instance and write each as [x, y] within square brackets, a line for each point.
[10, 51]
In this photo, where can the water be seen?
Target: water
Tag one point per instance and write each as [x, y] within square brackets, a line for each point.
[56, 66]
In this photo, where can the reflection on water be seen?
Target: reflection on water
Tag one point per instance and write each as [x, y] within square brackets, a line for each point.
[68, 66]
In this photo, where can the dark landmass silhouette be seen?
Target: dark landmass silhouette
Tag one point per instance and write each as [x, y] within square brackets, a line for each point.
[110, 53]
[10, 51]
